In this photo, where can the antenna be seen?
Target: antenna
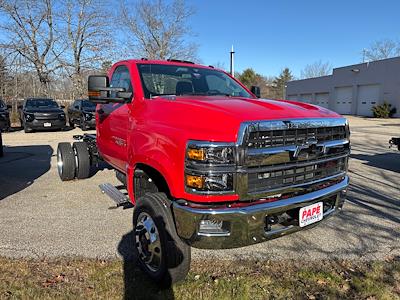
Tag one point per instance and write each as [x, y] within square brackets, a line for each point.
[232, 69]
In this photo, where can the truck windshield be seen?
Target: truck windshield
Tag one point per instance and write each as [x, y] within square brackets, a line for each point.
[37, 103]
[158, 80]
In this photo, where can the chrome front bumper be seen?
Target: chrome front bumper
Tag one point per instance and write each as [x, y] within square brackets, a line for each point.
[247, 225]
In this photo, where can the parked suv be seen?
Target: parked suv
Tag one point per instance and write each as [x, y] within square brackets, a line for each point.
[1, 145]
[206, 163]
[41, 114]
[82, 113]
[4, 116]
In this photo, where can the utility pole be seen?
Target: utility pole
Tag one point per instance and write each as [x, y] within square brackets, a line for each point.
[364, 55]
[232, 68]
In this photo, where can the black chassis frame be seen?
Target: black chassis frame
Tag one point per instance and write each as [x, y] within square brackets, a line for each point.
[90, 140]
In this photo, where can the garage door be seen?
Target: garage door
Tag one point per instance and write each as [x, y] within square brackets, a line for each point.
[307, 98]
[343, 100]
[322, 99]
[368, 96]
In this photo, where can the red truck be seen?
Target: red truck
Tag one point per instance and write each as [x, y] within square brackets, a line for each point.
[205, 162]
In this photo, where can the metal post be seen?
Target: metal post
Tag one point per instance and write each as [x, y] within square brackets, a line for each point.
[232, 69]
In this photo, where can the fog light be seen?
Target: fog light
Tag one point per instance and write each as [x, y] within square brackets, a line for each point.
[213, 227]
[195, 181]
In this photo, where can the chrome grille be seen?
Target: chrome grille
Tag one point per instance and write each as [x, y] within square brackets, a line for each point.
[295, 174]
[278, 138]
[278, 155]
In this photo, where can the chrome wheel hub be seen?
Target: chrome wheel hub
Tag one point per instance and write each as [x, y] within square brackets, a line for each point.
[147, 242]
[59, 163]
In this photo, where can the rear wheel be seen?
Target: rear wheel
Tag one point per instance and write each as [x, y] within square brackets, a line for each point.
[161, 253]
[65, 161]
[82, 160]
[83, 125]
[27, 129]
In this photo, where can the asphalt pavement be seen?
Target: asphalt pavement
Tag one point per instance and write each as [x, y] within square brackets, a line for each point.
[40, 216]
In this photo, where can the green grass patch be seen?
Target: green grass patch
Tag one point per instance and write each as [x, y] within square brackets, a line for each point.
[99, 279]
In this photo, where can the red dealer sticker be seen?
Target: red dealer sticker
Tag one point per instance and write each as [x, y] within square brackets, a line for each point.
[311, 214]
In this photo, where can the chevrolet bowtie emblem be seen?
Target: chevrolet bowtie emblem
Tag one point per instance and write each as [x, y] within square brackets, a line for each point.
[308, 143]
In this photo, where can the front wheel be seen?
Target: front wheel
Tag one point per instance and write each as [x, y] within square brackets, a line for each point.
[161, 253]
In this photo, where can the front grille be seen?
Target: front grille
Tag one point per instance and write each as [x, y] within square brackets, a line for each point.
[287, 137]
[278, 155]
[47, 116]
[295, 174]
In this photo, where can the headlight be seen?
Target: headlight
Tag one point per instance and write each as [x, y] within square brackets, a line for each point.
[62, 116]
[29, 117]
[88, 116]
[210, 167]
[212, 153]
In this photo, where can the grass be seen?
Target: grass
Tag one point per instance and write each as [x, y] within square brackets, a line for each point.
[98, 279]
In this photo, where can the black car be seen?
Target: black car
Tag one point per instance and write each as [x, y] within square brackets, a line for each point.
[41, 114]
[82, 113]
[4, 116]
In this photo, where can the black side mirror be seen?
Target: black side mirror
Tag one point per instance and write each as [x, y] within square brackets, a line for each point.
[256, 91]
[99, 91]
[19, 106]
[9, 106]
[62, 106]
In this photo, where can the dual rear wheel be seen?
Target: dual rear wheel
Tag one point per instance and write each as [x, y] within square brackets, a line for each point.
[73, 161]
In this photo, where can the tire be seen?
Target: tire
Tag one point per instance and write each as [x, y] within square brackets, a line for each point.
[82, 161]
[27, 129]
[83, 125]
[65, 161]
[169, 263]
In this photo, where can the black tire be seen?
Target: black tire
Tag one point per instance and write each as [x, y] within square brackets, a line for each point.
[27, 129]
[174, 261]
[83, 125]
[65, 161]
[82, 161]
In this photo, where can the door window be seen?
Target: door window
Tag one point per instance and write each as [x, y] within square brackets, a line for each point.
[121, 78]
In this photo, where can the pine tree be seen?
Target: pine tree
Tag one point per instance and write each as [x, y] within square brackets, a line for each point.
[281, 81]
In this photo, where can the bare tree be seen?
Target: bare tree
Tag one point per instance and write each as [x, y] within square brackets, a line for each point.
[157, 29]
[29, 26]
[316, 69]
[87, 34]
[382, 49]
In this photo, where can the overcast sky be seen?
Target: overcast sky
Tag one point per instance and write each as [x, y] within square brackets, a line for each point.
[269, 35]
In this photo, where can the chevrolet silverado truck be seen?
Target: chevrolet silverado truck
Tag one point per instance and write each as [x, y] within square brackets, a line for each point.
[205, 162]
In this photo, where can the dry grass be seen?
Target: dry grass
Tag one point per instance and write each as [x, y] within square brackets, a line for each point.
[95, 279]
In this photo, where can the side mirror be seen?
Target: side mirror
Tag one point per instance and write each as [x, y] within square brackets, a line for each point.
[99, 91]
[19, 106]
[9, 106]
[256, 91]
[62, 106]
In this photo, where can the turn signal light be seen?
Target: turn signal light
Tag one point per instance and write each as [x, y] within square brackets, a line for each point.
[94, 93]
[195, 181]
[196, 154]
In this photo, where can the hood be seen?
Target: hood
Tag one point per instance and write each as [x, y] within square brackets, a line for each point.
[215, 115]
[44, 110]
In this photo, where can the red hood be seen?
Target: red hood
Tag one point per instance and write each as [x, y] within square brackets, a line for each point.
[215, 116]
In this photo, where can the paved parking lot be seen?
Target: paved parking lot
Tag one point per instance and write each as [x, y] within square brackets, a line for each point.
[42, 216]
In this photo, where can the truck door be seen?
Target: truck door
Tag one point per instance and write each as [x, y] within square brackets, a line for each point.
[112, 123]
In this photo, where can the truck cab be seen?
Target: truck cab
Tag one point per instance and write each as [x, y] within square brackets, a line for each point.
[208, 164]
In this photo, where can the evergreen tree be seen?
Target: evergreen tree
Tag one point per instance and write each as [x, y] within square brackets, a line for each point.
[281, 81]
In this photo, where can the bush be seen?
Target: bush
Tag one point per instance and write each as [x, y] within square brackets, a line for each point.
[384, 110]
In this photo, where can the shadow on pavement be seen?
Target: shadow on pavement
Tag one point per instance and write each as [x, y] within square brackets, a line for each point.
[388, 161]
[136, 284]
[21, 166]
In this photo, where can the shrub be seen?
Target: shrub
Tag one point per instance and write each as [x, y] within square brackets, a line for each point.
[384, 110]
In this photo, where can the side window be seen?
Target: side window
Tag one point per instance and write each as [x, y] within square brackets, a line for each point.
[121, 78]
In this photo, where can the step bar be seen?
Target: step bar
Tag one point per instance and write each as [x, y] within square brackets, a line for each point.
[116, 195]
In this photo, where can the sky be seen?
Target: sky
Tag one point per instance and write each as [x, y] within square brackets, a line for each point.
[270, 35]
